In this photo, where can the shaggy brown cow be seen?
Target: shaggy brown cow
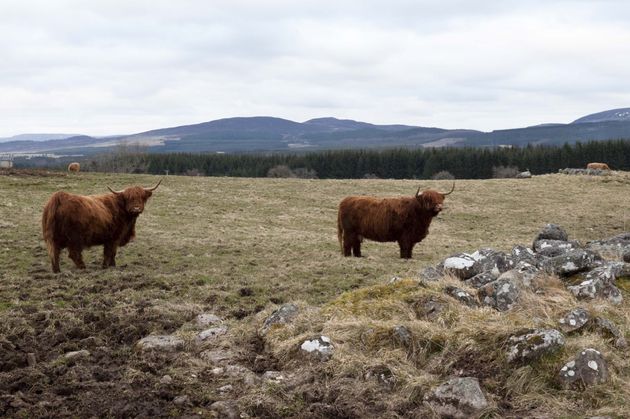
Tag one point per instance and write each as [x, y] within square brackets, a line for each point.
[74, 167]
[404, 220]
[78, 221]
[600, 166]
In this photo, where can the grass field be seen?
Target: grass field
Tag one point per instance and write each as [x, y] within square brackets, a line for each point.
[238, 248]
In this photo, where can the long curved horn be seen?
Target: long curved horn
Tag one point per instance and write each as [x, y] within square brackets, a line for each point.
[451, 191]
[113, 191]
[418, 191]
[155, 187]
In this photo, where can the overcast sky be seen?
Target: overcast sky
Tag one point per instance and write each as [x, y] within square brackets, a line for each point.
[104, 67]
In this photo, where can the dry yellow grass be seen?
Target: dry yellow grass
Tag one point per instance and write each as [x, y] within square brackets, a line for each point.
[238, 247]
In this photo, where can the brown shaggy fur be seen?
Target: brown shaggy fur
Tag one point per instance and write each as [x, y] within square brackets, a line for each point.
[600, 166]
[404, 220]
[77, 222]
[74, 167]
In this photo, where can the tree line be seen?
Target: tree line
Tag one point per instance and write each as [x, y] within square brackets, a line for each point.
[400, 163]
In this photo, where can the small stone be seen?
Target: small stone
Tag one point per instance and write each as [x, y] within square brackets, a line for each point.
[575, 320]
[283, 315]
[225, 388]
[273, 376]
[588, 368]
[181, 400]
[458, 398]
[319, 347]
[166, 343]
[77, 354]
[402, 335]
[462, 266]
[552, 232]
[533, 344]
[461, 296]
[207, 319]
[166, 379]
[211, 333]
[430, 274]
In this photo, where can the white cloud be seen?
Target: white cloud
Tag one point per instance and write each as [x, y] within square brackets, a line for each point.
[105, 67]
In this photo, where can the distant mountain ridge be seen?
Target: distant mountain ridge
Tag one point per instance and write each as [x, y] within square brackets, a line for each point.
[622, 114]
[36, 137]
[271, 134]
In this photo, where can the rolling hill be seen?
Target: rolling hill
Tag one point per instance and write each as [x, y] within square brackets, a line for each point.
[269, 134]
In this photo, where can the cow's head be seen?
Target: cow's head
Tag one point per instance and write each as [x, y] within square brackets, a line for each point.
[134, 198]
[432, 201]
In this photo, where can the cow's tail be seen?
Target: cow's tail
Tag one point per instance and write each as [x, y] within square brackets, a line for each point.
[340, 232]
[48, 223]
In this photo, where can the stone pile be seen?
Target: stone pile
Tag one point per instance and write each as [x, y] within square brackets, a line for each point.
[500, 277]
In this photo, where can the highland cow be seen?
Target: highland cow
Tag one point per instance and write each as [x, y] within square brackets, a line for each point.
[600, 166]
[404, 220]
[77, 222]
[74, 167]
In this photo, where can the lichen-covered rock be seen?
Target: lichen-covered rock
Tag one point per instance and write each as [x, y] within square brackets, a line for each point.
[575, 320]
[462, 265]
[598, 283]
[501, 294]
[283, 315]
[552, 248]
[524, 254]
[609, 330]
[571, 262]
[320, 348]
[523, 274]
[165, 343]
[552, 232]
[428, 308]
[524, 175]
[211, 333]
[481, 279]
[402, 335]
[457, 398]
[530, 345]
[430, 274]
[461, 296]
[588, 368]
[494, 261]
[618, 244]
[207, 319]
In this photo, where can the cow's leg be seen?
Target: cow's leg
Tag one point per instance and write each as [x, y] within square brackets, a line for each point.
[77, 258]
[356, 247]
[348, 241]
[405, 249]
[54, 252]
[109, 255]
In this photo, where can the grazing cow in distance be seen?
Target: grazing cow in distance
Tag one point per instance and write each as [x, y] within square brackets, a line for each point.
[77, 222]
[74, 167]
[404, 220]
[600, 166]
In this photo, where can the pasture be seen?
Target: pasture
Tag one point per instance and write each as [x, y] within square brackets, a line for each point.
[238, 248]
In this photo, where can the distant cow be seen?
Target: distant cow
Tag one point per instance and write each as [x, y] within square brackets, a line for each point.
[404, 220]
[74, 167]
[600, 166]
[77, 222]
